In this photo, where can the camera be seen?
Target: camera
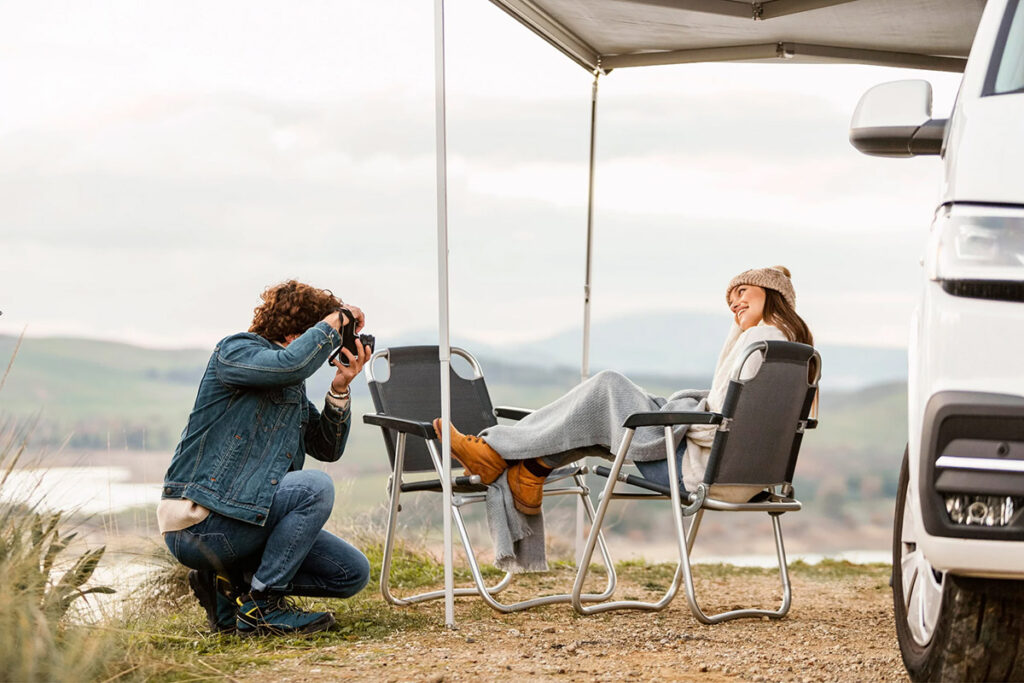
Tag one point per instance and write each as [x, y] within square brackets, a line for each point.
[348, 338]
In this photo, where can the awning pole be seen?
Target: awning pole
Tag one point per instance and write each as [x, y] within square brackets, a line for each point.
[444, 344]
[585, 366]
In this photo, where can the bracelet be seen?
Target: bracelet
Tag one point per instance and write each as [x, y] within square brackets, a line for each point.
[347, 393]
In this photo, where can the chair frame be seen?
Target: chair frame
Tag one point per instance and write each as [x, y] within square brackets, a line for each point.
[466, 491]
[694, 505]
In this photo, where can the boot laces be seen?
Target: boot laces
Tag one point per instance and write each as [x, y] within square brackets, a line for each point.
[284, 603]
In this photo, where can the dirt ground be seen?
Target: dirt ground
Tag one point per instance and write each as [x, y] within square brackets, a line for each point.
[840, 628]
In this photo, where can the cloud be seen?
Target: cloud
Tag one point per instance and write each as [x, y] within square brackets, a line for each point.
[158, 187]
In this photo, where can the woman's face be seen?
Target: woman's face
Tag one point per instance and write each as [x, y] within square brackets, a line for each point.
[747, 305]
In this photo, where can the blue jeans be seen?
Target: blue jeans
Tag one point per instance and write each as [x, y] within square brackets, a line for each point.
[654, 470]
[291, 553]
[657, 470]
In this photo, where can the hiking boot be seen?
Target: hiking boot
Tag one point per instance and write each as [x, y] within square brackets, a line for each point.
[217, 596]
[474, 454]
[277, 615]
[526, 482]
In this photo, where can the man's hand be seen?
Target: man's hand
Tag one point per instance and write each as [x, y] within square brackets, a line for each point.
[358, 314]
[337, 320]
[346, 374]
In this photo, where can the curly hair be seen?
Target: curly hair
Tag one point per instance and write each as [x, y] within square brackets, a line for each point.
[291, 307]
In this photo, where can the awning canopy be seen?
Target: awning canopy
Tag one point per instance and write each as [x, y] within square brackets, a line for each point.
[611, 34]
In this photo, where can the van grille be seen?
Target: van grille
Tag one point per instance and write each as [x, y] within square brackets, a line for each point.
[996, 290]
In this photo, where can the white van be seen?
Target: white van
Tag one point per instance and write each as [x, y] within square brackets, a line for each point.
[958, 544]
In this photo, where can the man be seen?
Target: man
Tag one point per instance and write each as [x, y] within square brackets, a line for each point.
[237, 507]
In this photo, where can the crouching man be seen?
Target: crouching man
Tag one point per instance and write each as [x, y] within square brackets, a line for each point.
[237, 507]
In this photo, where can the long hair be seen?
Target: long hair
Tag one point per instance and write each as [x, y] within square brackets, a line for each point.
[780, 314]
[291, 308]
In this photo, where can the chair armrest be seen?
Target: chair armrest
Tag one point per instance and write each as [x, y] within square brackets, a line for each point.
[423, 429]
[669, 419]
[511, 413]
[812, 423]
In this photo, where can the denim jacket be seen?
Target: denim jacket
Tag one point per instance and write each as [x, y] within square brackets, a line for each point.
[252, 423]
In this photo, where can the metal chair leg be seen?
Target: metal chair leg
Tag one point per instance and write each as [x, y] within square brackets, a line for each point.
[606, 498]
[685, 538]
[596, 537]
[499, 606]
[486, 592]
[787, 592]
[389, 542]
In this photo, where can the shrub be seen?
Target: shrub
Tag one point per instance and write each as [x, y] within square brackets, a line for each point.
[40, 580]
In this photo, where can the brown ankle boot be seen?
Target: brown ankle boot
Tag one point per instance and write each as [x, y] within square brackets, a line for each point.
[474, 454]
[526, 481]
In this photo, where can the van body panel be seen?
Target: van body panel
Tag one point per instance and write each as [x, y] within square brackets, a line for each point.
[985, 151]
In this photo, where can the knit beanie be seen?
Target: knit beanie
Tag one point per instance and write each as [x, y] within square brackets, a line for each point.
[774, 277]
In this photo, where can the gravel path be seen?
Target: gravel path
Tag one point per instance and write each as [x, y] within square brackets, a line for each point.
[840, 628]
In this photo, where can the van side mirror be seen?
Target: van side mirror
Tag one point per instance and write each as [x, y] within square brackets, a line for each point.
[895, 120]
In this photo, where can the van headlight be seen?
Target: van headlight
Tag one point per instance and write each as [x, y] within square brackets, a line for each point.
[979, 245]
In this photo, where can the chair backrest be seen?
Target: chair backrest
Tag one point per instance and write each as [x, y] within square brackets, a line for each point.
[413, 391]
[764, 413]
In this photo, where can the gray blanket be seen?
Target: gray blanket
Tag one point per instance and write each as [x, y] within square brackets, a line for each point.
[590, 416]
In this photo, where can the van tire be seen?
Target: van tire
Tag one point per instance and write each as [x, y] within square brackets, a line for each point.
[979, 633]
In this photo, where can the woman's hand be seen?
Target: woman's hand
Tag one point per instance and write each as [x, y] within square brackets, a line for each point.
[346, 374]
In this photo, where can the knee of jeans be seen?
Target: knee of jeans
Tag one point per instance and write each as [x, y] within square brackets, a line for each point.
[362, 569]
[322, 486]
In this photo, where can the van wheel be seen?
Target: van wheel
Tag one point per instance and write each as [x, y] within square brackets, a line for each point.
[951, 627]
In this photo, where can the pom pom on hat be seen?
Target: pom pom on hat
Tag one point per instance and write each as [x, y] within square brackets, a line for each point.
[773, 277]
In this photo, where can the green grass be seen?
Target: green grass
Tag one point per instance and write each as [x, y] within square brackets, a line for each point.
[164, 638]
[831, 570]
[42, 579]
[172, 645]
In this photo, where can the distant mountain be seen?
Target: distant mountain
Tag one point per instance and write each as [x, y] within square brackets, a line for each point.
[678, 343]
[105, 393]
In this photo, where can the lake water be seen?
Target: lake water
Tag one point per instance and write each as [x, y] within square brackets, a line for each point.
[86, 490]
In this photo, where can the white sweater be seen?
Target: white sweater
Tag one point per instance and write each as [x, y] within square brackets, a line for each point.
[700, 437]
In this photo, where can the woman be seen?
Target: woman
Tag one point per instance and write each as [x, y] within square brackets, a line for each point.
[587, 419]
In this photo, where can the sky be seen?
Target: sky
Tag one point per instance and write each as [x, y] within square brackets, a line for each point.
[163, 162]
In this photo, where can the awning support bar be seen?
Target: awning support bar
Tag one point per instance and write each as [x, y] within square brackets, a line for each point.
[444, 343]
[786, 50]
[585, 364]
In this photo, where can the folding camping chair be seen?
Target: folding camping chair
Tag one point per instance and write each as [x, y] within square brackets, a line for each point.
[757, 442]
[406, 403]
